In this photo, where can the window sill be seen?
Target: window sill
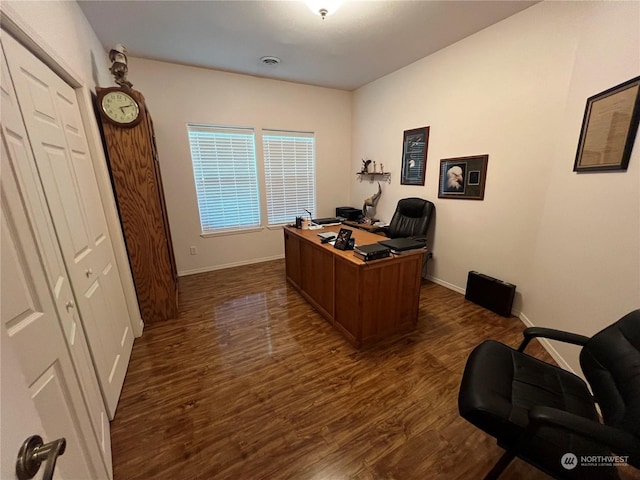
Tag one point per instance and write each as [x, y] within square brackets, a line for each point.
[277, 227]
[231, 232]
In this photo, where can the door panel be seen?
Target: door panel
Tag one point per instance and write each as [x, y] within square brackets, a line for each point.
[57, 138]
[17, 158]
[19, 416]
[62, 192]
[18, 150]
[31, 331]
[50, 394]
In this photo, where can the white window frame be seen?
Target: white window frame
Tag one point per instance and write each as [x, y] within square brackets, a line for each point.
[289, 158]
[214, 164]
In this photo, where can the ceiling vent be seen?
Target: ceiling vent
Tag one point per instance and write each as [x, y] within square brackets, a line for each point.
[270, 61]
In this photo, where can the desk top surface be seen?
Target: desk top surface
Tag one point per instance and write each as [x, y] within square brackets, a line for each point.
[362, 237]
[363, 226]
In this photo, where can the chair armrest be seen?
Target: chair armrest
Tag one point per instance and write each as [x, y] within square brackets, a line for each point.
[621, 442]
[566, 337]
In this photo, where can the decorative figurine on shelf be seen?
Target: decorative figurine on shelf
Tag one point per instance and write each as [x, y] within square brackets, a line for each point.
[119, 66]
[374, 166]
[365, 165]
[369, 207]
[381, 168]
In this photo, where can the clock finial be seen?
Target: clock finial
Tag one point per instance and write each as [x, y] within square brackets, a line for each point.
[119, 66]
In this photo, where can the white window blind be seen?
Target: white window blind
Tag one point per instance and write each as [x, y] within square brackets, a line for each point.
[225, 173]
[289, 165]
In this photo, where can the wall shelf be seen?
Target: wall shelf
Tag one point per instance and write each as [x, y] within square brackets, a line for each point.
[386, 176]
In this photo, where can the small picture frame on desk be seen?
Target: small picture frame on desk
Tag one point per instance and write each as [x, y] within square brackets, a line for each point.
[343, 240]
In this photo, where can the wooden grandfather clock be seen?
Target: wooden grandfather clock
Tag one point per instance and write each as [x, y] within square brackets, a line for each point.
[129, 143]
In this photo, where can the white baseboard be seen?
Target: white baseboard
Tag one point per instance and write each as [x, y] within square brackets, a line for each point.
[448, 285]
[184, 273]
[528, 323]
[458, 289]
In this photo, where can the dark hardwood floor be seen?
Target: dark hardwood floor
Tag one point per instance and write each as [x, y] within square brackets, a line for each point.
[249, 382]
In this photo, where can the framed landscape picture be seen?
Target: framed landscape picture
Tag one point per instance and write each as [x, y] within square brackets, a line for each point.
[463, 177]
[609, 128]
[414, 156]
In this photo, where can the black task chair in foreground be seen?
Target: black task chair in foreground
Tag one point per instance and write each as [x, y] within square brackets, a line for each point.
[546, 416]
[411, 219]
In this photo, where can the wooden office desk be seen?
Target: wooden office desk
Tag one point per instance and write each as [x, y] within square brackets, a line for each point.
[366, 302]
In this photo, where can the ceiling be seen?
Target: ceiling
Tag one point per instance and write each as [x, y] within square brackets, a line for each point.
[361, 42]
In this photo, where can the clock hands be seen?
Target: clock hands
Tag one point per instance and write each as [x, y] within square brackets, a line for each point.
[126, 106]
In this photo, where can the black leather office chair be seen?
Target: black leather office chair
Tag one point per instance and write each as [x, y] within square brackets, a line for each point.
[411, 219]
[541, 413]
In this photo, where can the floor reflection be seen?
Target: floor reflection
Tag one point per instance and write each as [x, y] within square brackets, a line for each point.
[250, 382]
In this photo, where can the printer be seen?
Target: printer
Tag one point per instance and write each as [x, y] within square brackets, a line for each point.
[349, 213]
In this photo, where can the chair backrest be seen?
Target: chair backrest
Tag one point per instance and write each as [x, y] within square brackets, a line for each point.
[411, 218]
[611, 363]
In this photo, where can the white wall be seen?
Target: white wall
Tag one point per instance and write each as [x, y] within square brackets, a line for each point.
[500, 92]
[62, 26]
[586, 265]
[516, 91]
[178, 95]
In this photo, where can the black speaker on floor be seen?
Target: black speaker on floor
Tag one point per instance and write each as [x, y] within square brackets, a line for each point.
[490, 293]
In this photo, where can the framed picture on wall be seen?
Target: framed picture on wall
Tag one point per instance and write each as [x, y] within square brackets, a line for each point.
[414, 156]
[463, 177]
[609, 128]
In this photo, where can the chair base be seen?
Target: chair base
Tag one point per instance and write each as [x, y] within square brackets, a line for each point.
[502, 463]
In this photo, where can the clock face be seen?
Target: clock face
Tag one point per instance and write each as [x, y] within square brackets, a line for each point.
[120, 107]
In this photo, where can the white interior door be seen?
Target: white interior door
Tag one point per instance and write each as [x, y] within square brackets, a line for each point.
[32, 342]
[18, 158]
[19, 418]
[53, 122]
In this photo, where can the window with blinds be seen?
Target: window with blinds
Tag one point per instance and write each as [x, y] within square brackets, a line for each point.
[226, 178]
[289, 168]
